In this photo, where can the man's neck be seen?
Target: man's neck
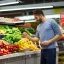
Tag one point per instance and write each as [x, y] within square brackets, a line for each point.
[43, 19]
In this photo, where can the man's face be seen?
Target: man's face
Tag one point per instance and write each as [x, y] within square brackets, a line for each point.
[38, 18]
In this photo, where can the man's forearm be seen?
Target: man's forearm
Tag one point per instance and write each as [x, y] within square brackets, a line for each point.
[34, 39]
[57, 37]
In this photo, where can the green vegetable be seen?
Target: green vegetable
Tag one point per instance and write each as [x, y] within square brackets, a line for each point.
[22, 30]
[28, 32]
[31, 30]
[8, 39]
[13, 35]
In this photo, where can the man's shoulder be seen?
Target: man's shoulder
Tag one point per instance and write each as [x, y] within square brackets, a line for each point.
[51, 20]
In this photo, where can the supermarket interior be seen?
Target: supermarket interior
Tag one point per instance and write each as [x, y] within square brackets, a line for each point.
[17, 17]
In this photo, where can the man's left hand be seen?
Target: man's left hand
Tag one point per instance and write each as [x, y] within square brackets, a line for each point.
[45, 43]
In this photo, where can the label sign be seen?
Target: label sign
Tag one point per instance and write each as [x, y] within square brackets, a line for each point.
[62, 18]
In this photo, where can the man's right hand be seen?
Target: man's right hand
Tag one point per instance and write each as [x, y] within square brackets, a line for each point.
[25, 35]
[34, 39]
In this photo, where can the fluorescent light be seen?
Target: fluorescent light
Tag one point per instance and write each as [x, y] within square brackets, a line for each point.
[28, 8]
[26, 17]
[31, 17]
[9, 3]
[53, 16]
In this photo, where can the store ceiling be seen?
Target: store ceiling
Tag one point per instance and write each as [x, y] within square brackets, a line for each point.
[39, 1]
[31, 1]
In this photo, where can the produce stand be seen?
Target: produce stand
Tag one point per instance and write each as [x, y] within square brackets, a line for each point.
[26, 57]
[29, 57]
[11, 23]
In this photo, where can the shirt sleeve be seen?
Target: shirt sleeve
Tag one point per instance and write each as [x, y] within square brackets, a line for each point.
[37, 33]
[55, 27]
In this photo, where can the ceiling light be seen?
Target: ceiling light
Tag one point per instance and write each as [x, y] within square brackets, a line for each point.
[53, 16]
[31, 17]
[28, 8]
[9, 3]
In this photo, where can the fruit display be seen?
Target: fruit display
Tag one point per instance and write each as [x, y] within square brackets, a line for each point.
[9, 20]
[25, 43]
[13, 41]
[6, 48]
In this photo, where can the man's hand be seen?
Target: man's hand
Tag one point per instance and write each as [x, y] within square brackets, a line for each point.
[25, 35]
[45, 43]
[34, 39]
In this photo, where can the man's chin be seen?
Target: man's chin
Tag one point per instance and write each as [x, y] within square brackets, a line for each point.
[39, 21]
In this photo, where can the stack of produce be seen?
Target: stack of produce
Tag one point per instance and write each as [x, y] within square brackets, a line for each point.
[12, 35]
[29, 31]
[25, 43]
[6, 48]
[3, 29]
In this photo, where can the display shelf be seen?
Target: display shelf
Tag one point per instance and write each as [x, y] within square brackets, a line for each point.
[12, 55]
[23, 53]
[32, 52]
[19, 54]
[32, 57]
[11, 23]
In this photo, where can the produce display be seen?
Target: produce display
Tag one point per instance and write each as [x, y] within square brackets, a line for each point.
[13, 41]
[2, 19]
[25, 43]
[13, 35]
[6, 48]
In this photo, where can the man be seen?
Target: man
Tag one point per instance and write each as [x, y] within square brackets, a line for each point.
[48, 33]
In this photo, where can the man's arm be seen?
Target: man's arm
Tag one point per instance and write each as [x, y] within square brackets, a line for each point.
[56, 38]
[57, 33]
[48, 42]
[34, 39]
